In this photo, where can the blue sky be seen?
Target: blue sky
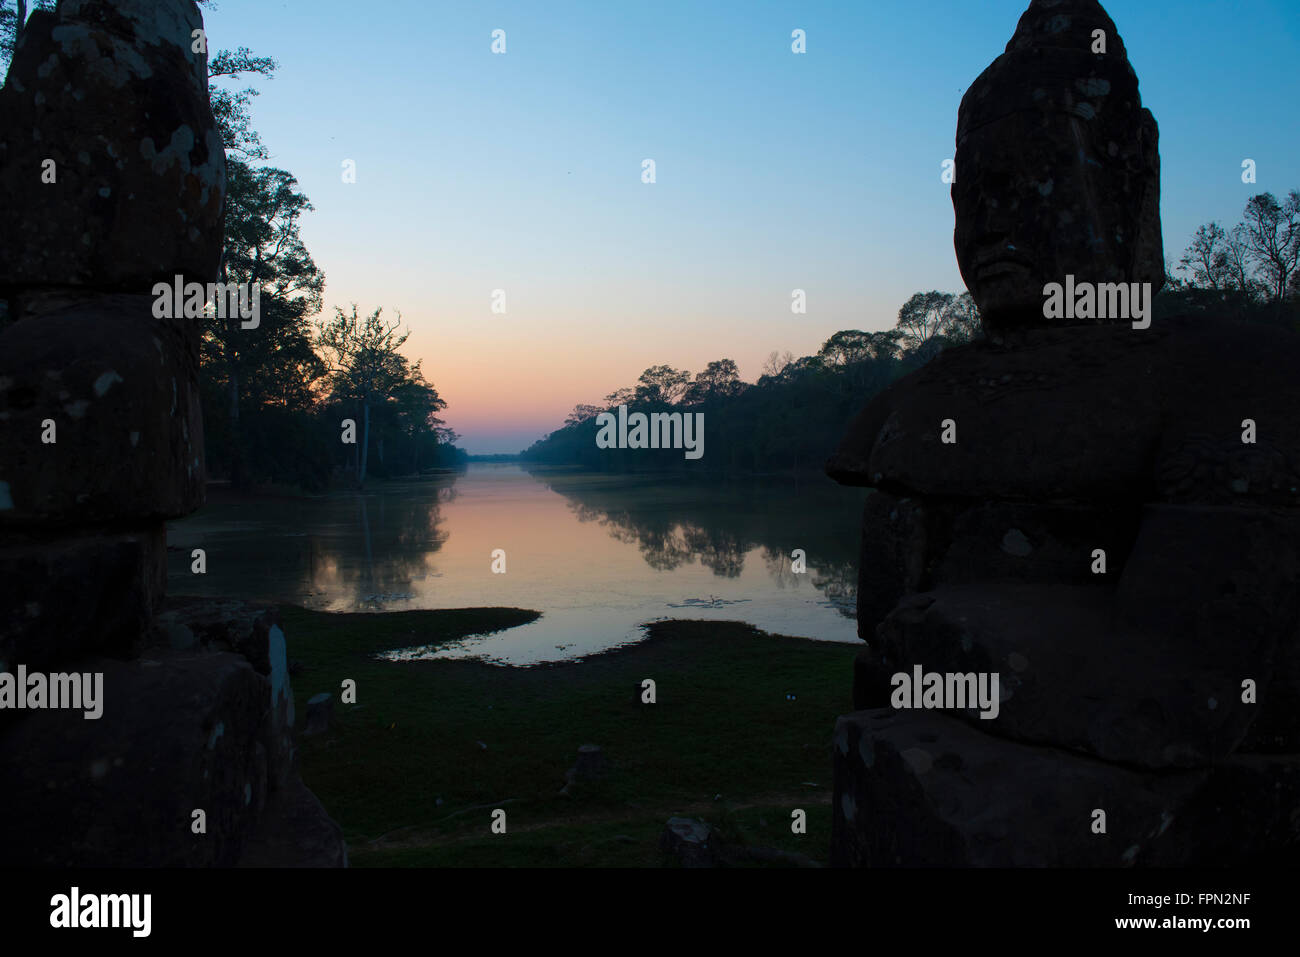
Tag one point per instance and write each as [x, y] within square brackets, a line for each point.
[775, 171]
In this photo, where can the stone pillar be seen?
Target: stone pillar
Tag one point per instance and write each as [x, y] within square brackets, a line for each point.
[112, 181]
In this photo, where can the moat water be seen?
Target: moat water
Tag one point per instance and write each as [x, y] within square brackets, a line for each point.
[598, 555]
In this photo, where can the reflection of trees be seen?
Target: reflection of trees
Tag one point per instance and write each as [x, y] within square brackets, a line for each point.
[836, 578]
[719, 522]
[839, 583]
[720, 550]
[664, 549]
[778, 566]
[385, 542]
[662, 545]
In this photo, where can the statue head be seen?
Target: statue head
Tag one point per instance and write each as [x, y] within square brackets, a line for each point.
[1057, 168]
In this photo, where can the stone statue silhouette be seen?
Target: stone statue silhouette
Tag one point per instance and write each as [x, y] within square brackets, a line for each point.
[1057, 167]
[1100, 521]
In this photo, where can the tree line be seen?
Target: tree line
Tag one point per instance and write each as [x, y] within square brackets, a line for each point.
[790, 418]
[793, 416]
[1249, 271]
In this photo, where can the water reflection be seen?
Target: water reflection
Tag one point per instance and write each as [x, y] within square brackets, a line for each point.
[406, 534]
[719, 524]
[345, 552]
[598, 555]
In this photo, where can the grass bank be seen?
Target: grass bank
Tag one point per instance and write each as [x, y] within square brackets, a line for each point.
[414, 769]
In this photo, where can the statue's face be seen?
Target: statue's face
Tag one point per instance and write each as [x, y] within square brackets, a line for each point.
[1020, 219]
[1062, 178]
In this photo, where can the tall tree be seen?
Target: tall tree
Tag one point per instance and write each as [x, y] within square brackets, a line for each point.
[719, 380]
[408, 414]
[263, 245]
[929, 321]
[961, 319]
[856, 359]
[1206, 258]
[776, 363]
[662, 385]
[1272, 239]
[1237, 261]
[1218, 260]
[273, 364]
[231, 108]
[364, 365]
[924, 316]
[846, 347]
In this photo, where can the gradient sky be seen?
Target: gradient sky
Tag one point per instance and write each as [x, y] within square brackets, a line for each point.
[775, 171]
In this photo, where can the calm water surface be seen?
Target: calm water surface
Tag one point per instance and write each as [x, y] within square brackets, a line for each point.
[598, 555]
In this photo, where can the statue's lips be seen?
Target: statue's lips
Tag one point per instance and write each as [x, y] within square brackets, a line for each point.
[1001, 265]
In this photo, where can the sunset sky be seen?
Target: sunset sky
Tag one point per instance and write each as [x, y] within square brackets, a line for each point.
[775, 171]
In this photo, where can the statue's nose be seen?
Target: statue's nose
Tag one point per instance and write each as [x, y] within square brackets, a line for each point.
[985, 195]
[994, 231]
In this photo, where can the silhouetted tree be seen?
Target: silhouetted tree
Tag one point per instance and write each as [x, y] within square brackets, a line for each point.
[263, 245]
[776, 362]
[719, 380]
[231, 108]
[364, 365]
[1246, 273]
[923, 316]
[1207, 258]
[1272, 240]
[662, 385]
[582, 413]
[961, 321]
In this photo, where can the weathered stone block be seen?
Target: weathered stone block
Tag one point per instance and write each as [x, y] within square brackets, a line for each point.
[295, 831]
[178, 733]
[1224, 580]
[1035, 543]
[1092, 414]
[871, 681]
[1071, 676]
[219, 624]
[80, 594]
[1277, 729]
[922, 790]
[1246, 815]
[897, 548]
[915, 544]
[252, 631]
[1227, 580]
[121, 389]
[112, 93]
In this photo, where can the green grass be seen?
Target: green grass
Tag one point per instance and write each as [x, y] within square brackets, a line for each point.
[721, 743]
